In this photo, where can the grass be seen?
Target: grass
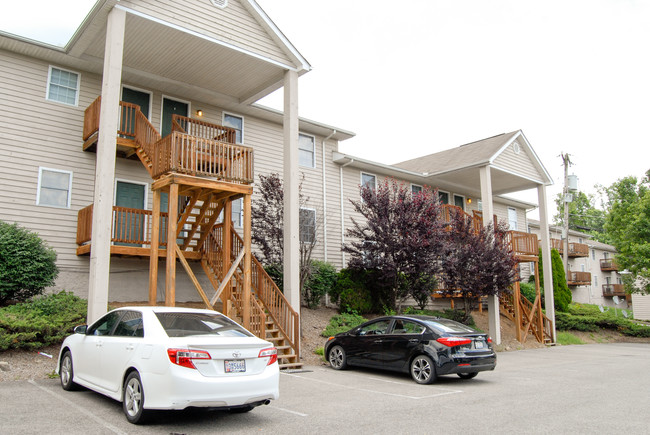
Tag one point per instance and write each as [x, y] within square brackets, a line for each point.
[564, 338]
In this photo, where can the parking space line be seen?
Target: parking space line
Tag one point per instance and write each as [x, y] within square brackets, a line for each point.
[80, 409]
[430, 396]
[300, 414]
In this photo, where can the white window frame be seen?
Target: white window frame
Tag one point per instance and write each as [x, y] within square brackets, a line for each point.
[416, 185]
[314, 223]
[38, 188]
[516, 228]
[313, 150]
[243, 122]
[459, 196]
[448, 196]
[361, 174]
[145, 91]
[240, 223]
[49, 82]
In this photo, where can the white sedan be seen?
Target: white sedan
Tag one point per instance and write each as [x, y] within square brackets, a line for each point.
[170, 358]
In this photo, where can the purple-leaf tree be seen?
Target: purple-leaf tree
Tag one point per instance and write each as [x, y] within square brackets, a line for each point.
[400, 239]
[477, 260]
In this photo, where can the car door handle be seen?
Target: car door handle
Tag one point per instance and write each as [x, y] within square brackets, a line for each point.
[414, 340]
[379, 341]
[99, 343]
[130, 347]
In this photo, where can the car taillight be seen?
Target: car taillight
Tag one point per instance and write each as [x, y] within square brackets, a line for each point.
[270, 352]
[489, 339]
[184, 357]
[454, 341]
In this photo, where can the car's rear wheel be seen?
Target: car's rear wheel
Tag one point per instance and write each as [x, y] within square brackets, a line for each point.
[133, 399]
[66, 372]
[467, 375]
[337, 358]
[423, 370]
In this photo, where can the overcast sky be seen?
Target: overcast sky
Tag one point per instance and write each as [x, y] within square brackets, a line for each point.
[416, 77]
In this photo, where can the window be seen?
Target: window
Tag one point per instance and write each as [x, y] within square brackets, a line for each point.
[444, 197]
[480, 205]
[130, 325]
[593, 254]
[595, 280]
[377, 328]
[306, 151]
[512, 218]
[238, 213]
[236, 122]
[415, 189]
[368, 180]
[307, 225]
[63, 86]
[105, 325]
[459, 201]
[54, 187]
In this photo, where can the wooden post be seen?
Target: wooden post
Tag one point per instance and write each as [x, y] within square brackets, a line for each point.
[516, 294]
[246, 299]
[226, 251]
[538, 297]
[172, 220]
[153, 256]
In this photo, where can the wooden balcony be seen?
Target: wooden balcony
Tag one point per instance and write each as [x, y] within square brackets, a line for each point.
[575, 249]
[578, 278]
[130, 232]
[524, 245]
[610, 290]
[194, 147]
[608, 264]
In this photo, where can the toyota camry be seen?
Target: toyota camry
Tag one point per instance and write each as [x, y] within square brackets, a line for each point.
[170, 358]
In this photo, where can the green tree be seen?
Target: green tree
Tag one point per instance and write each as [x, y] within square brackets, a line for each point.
[27, 264]
[583, 215]
[628, 228]
[561, 292]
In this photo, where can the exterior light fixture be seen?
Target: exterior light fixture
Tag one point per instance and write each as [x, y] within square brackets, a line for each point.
[469, 200]
[199, 112]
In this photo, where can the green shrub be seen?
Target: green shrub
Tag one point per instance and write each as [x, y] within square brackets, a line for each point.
[43, 321]
[565, 338]
[561, 292]
[528, 290]
[351, 292]
[322, 278]
[277, 274]
[342, 323]
[585, 317]
[27, 264]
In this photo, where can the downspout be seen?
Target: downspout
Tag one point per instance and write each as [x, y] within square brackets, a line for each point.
[342, 209]
[327, 296]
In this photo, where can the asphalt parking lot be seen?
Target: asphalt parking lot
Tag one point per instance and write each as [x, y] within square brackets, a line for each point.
[567, 389]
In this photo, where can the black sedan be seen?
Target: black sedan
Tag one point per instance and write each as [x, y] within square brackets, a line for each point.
[423, 346]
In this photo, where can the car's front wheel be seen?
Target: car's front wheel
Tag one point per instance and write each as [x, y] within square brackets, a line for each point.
[423, 370]
[337, 358]
[467, 375]
[133, 399]
[66, 372]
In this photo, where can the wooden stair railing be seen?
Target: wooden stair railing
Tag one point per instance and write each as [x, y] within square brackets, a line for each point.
[543, 334]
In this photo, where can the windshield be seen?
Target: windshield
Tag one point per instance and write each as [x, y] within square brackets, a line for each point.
[186, 324]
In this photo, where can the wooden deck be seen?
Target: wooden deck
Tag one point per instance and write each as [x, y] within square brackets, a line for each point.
[578, 278]
[610, 290]
[575, 249]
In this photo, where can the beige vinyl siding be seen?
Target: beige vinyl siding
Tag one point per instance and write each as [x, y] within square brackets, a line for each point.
[520, 164]
[641, 306]
[41, 133]
[233, 24]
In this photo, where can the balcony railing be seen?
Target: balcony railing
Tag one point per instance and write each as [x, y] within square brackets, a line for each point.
[194, 147]
[610, 290]
[129, 226]
[575, 249]
[522, 244]
[578, 278]
[608, 264]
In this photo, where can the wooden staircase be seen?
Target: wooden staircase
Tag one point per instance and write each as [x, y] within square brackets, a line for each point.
[209, 170]
[532, 320]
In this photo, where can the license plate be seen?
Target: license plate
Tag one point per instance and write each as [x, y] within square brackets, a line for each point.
[235, 366]
[479, 345]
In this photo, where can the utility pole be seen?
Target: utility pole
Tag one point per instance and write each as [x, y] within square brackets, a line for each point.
[566, 199]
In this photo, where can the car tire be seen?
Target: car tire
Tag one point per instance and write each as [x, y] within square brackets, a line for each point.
[423, 370]
[133, 399]
[467, 375]
[66, 372]
[337, 358]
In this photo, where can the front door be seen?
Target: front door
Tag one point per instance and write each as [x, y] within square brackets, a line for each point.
[128, 228]
[171, 107]
[127, 120]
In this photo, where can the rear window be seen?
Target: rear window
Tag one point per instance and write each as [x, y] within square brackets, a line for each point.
[188, 324]
[444, 325]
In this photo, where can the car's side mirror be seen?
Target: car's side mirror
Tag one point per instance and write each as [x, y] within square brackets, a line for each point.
[81, 329]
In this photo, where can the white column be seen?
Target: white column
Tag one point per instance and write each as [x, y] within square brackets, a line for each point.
[100, 252]
[546, 256]
[488, 212]
[291, 201]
